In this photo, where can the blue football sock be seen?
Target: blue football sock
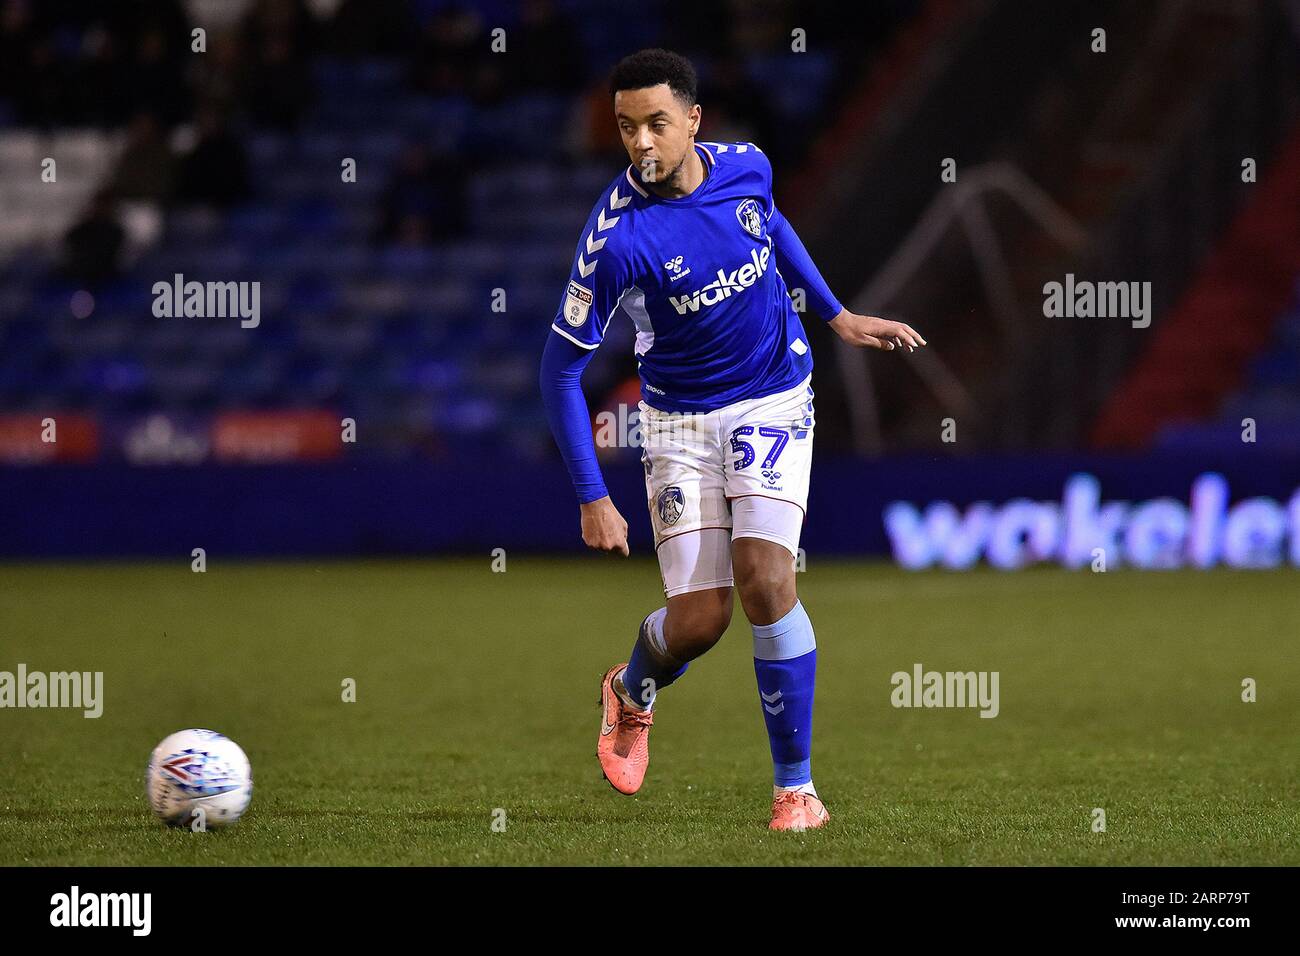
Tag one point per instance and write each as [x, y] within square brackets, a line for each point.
[785, 663]
[650, 668]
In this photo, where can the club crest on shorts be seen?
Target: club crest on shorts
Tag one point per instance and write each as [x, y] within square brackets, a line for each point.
[751, 220]
[670, 504]
[577, 304]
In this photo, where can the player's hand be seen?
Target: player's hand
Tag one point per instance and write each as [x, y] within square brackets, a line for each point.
[876, 333]
[603, 528]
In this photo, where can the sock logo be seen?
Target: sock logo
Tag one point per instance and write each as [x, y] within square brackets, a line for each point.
[768, 701]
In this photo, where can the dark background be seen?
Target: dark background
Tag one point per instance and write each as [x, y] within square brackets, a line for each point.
[475, 170]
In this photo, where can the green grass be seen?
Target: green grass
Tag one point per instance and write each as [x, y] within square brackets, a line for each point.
[478, 690]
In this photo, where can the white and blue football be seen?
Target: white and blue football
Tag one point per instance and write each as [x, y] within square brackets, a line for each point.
[199, 779]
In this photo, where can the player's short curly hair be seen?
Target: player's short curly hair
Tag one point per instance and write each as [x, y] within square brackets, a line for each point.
[652, 67]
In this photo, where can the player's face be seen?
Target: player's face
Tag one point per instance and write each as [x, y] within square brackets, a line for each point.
[657, 130]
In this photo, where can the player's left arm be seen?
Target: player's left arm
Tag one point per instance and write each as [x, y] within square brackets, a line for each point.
[799, 272]
[798, 268]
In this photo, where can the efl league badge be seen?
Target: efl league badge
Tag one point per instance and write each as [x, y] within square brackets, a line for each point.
[750, 218]
[577, 303]
[670, 504]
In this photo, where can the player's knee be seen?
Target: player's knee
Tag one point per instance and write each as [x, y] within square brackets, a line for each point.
[700, 632]
[694, 629]
[766, 586]
[767, 603]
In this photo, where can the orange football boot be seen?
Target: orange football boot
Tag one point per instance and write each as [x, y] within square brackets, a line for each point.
[624, 743]
[796, 811]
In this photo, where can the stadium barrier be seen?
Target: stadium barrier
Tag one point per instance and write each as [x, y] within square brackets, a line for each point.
[1152, 511]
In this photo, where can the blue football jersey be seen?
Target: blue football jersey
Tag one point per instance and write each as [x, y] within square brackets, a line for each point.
[697, 277]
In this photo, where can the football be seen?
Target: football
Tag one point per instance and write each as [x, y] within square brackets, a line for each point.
[199, 779]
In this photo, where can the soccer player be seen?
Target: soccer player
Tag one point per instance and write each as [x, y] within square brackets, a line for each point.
[687, 243]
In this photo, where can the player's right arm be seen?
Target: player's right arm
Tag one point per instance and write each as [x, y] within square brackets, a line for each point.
[596, 283]
[603, 528]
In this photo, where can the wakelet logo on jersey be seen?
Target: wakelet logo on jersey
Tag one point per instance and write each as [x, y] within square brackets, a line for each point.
[724, 285]
[103, 909]
[577, 304]
[750, 218]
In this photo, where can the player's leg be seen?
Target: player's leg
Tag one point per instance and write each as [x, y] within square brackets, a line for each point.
[686, 495]
[692, 526]
[785, 651]
[768, 487]
[671, 637]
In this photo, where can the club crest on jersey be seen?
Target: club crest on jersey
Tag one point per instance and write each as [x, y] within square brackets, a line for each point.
[751, 220]
[670, 504]
[577, 304]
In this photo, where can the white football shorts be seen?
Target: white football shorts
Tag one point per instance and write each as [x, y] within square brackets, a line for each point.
[738, 471]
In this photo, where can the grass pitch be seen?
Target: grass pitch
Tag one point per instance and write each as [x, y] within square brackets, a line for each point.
[477, 691]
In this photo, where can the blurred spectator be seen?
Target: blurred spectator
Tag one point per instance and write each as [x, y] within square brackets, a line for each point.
[146, 169]
[702, 29]
[93, 247]
[597, 132]
[279, 87]
[16, 39]
[736, 109]
[215, 172]
[288, 21]
[220, 73]
[545, 52]
[41, 98]
[620, 410]
[453, 43]
[217, 15]
[157, 79]
[372, 28]
[425, 201]
[102, 81]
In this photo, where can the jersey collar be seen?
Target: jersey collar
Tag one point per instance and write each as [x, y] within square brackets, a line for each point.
[709, 162]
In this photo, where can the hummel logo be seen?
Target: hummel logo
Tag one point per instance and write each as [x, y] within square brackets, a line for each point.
[724, 285]
[675, 267]
[768, 701]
